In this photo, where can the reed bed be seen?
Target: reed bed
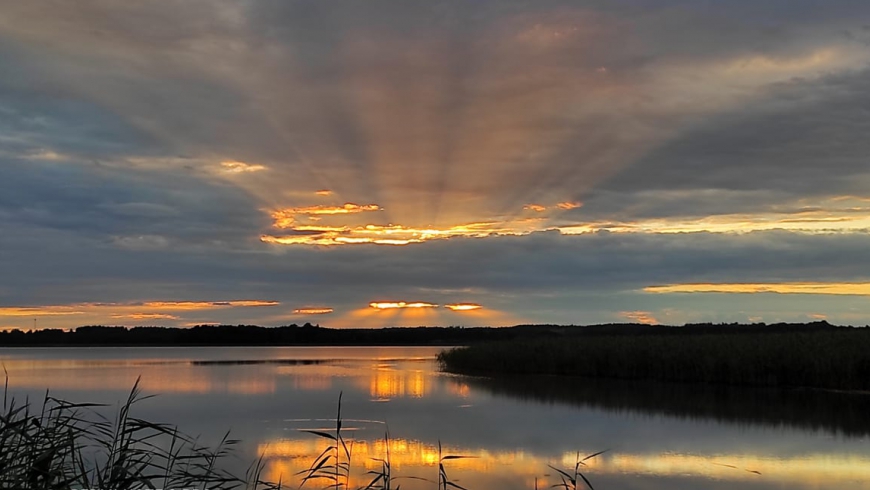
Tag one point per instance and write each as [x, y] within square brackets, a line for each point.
[838, 359]
[58, 445]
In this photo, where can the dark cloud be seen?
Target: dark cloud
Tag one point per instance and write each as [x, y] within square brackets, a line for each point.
[805, 138]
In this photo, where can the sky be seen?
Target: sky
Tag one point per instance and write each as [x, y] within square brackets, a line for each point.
[402, 163]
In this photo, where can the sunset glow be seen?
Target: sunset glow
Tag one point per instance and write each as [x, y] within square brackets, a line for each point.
[241, 167]
[568, 205]
[395, 234]
[840, 289]
[463, 306]
[395, 305]
[427, 244]
[146, 316]
[312, 311]
[113, 313]
[833, 215]
[290, 456]
[541, 155]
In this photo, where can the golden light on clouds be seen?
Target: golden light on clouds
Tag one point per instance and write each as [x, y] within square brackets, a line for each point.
[313, 311]
[28, 311]
[146, 316]
[394, 234]
[199, 305]
[396, 305]
[564, 206]
[347, 208]
[825, 288]
[809, 220]
[391, 314]
[286, 218]
[645, 317]
[463, 306]
[145, 310]
[324, 192]
[234, 167]
[836, 214]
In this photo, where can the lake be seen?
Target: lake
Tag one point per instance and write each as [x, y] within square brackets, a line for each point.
[657, 436]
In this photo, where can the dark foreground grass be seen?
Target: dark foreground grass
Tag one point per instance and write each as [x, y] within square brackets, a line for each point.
[58, 445]
[831, 359]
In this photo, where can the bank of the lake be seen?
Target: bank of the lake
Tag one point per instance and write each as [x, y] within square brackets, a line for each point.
[836, 358]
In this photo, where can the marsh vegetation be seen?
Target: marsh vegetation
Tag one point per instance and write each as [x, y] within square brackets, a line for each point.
[64, 446]
[837, 358]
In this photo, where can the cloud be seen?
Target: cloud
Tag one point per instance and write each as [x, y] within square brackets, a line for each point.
[394, 235]
[852, 289]
[463, 306]
[397, 305]
[313, 311]
[645, 317]
[146, 316]
[715, 144]
[233, 167]
[24, 311]
[171, 312]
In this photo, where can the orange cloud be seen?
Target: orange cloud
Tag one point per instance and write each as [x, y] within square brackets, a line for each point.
[136, 313]
[826, 216]
[565, 206]
[40, 311]
[347, 208]
[569, 205]
[98, 313]
[827, 288]
[393, 305]
[395, 234]
[640, 317]
[463, 306]
[286, 217]
[324, 192]
[205, 305]
[147, 316]
[313, 311]
[851, 219]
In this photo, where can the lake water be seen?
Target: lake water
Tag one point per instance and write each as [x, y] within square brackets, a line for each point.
[658, 436]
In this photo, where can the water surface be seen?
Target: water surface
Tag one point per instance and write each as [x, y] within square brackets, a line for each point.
[658, 436]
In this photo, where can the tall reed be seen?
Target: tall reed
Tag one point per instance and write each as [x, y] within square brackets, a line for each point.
[835, 359]
[64, 446]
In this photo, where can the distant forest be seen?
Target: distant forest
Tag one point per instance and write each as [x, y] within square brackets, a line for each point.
[315, 335]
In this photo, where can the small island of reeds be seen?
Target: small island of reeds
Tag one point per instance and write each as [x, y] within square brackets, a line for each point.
[810, 356]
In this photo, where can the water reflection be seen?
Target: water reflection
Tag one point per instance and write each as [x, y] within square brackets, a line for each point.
[835, 412]
[662, 436]
[287, 457]
[257, 373]
[386, 382]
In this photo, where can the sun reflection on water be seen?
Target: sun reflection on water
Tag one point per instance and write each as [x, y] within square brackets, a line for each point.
[415, 458]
